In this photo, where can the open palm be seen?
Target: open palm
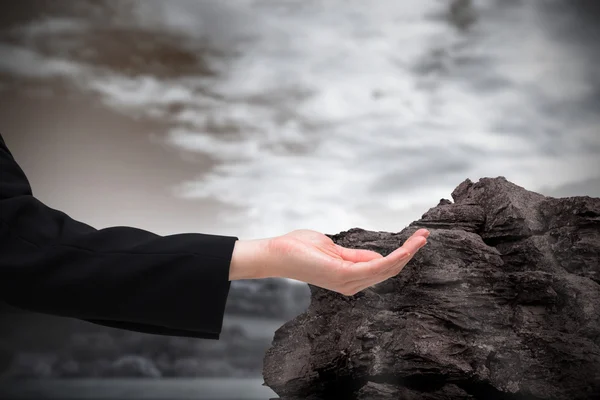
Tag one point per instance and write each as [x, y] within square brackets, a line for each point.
[312, 257]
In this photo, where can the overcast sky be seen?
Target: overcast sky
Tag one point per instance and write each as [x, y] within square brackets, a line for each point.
[254, 118]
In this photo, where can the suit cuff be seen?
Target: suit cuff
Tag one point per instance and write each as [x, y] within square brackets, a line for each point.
[215, 274]
[191, 293]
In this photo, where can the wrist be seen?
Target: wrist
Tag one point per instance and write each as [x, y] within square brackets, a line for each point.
[250, 259]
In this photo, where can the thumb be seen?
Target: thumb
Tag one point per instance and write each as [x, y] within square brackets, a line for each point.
[357, 255]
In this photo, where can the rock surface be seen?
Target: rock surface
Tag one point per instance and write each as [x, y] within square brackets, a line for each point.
[502, 303]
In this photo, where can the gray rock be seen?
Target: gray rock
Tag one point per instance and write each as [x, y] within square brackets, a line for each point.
[502, 303]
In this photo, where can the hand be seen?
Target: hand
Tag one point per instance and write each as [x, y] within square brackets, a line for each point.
[314, 258]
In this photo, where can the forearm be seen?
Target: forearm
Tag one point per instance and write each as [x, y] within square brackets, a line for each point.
[53, 264]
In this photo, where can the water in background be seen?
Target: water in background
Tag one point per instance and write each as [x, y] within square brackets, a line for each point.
[313, 114]
[125, 389]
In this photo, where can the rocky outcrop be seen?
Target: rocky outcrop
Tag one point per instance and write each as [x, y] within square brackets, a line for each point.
[502, 303]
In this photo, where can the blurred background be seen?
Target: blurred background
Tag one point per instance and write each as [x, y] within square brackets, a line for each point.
[252, 118]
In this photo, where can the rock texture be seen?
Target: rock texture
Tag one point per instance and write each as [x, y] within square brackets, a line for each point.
[502, 303]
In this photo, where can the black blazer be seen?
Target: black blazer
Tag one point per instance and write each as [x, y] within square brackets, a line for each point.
[120, 277]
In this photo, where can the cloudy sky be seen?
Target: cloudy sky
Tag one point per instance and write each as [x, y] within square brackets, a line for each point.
[254, 118]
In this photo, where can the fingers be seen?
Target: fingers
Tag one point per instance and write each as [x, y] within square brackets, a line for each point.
[390, 264]
[421, 232]
[362, 255]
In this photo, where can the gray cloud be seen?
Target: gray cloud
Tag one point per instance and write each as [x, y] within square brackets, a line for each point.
[588, 187]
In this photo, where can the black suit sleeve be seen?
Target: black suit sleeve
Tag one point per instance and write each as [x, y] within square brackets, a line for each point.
[120, 277]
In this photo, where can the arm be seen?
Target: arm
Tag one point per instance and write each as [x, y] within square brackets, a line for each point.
[120, 277]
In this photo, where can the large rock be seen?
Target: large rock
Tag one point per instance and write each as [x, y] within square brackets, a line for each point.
[502, 303]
